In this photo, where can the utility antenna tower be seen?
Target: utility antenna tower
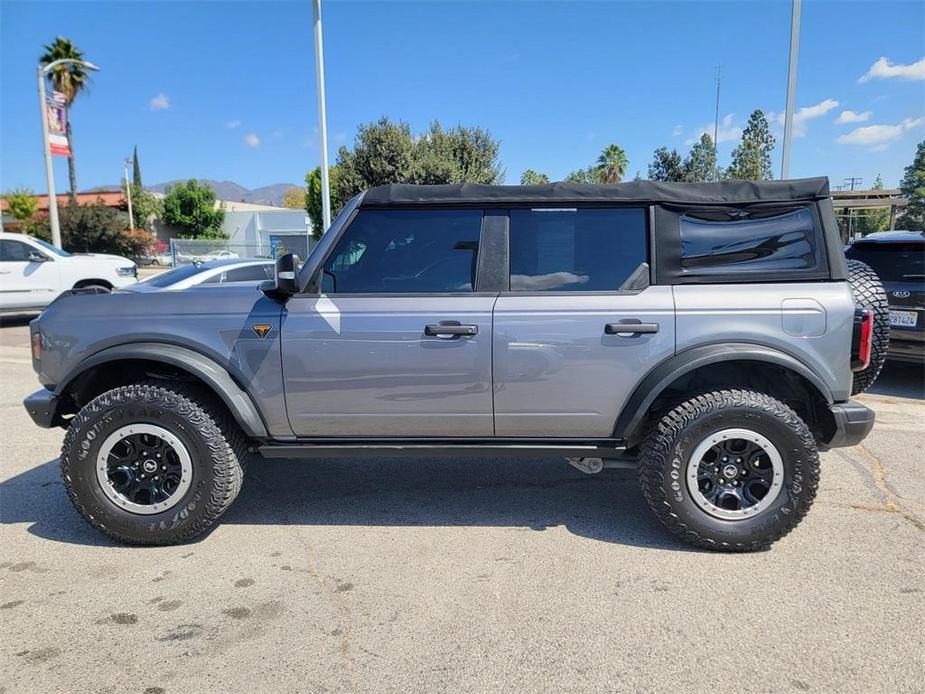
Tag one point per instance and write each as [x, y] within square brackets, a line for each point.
[851, 181]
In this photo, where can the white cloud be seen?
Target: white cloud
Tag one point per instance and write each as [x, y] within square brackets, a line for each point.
[726, 132]
[161, 102]
[677, 130]
[803, 115]
[232, 124]
[853, 117]
[884, 69]
[879, 136]
[251, 140]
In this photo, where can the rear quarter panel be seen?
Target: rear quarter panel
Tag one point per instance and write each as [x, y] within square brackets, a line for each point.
[810, 321]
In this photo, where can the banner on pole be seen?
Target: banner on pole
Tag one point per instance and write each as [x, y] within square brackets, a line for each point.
[57, 124]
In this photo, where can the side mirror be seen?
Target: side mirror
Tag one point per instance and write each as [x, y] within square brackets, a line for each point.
[36, 257]
[286, 282]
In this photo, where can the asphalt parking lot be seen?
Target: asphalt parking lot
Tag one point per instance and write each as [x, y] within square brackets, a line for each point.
[464, 575]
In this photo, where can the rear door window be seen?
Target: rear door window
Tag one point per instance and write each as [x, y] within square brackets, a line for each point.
[575, 249]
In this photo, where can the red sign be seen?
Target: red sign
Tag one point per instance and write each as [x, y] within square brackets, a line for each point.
[56, 108]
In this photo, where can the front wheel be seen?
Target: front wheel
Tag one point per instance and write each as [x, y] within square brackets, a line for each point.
[730, 470]
[152, 464]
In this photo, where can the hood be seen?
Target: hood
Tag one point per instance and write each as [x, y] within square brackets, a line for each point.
[102, 256]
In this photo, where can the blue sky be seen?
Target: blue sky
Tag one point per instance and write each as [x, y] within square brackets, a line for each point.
[226, 90]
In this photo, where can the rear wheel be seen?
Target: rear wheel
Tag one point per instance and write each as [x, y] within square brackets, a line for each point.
[152, 464]
[731, 470]
[869, 293]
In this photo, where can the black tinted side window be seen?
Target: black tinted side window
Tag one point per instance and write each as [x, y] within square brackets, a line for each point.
[14, 251]
[576, 249]
[724, 244]
[405, 252]
[251, 273]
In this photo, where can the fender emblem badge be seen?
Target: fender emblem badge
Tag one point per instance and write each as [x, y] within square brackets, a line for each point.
[262, 329]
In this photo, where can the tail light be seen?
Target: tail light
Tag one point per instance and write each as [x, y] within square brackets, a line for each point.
[862, 338]
[37, 346]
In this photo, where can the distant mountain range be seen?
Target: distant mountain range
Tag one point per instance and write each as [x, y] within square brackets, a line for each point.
[225, 190]
[229, 190]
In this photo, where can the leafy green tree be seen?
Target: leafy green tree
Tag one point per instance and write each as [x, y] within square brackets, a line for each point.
[590, 175]
[457, 155]
[23, 204]
[612, 164]
[751, 159]
[96, 228]
[146, 207]
[387, 152]
[382, 154]
[700, 164]
[313, 197]
[191, 207]
[666, 166]
[912, 187]
[136, 169]
[533, 178]
[71, 80]
[294, 198]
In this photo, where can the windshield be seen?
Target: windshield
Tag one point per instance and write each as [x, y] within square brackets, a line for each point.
[49, 247]
[893, 261]
[165, 279]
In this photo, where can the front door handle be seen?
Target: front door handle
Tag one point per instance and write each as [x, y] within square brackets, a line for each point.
[450, 329]
[630, 327]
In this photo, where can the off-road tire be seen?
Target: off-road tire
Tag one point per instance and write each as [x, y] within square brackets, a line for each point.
[216, 445]
[869, 293]
[671, 441]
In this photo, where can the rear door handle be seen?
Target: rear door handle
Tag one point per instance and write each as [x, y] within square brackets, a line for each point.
[630, 327]
[450, 329]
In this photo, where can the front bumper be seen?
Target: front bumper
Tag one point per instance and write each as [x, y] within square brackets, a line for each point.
[42, 406]
[853, 422]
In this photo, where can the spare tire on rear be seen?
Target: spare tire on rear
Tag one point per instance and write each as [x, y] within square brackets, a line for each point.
[869, 293]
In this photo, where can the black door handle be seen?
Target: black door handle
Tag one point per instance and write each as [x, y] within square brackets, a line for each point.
[630, 327]
[448, 329]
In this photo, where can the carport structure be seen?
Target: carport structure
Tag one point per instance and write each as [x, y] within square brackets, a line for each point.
[846, 201]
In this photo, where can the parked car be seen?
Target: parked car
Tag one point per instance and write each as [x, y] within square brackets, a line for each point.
[208, 273]
[705, 335]
[898, 257]
[33, 273]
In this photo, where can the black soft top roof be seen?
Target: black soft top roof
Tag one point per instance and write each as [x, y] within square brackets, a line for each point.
[726, 192]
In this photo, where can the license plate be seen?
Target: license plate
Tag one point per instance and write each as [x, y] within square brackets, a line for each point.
[903, 319]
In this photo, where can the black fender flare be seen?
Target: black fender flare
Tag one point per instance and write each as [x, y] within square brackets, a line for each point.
[632, 416]
[216, 377]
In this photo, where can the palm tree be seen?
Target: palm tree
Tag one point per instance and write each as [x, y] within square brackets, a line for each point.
[612, 163]
[70, 79]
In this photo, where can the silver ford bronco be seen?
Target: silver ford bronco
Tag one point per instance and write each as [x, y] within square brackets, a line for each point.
[708, 335]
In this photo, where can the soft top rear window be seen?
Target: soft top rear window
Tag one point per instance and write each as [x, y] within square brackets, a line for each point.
[731, 242]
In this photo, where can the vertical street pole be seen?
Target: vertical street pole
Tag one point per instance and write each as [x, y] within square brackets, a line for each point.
[49, 171]
[322, 118]
[128, 195]
[719, 77]
[791, 87]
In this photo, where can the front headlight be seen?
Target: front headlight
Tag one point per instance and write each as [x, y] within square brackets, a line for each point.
[127, 271]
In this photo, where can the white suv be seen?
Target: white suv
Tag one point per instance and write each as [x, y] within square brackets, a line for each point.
[33, 273]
